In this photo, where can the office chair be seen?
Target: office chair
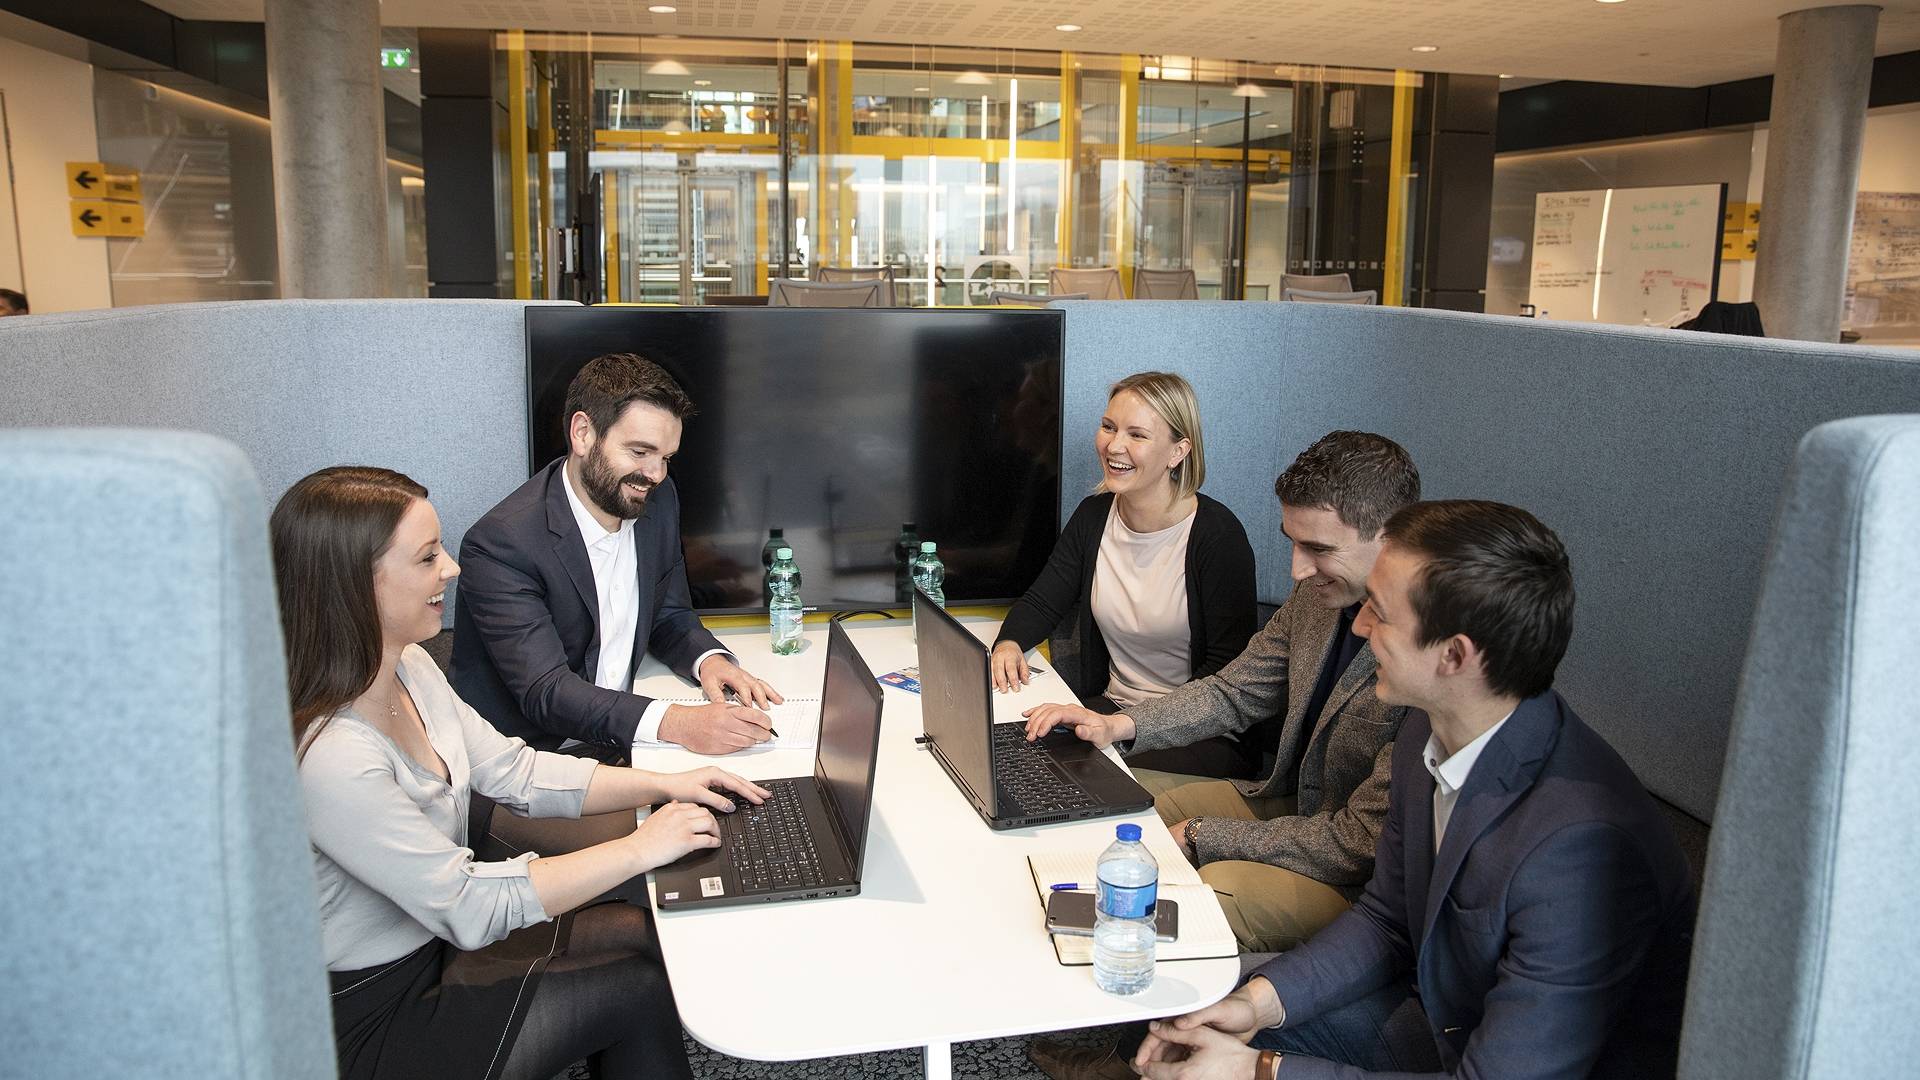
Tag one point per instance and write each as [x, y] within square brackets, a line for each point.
[1097, 283]
[1165, 285]
[1365, 296]
[1317, 282]
[785, 292]
[1002, 298]
[840, 275]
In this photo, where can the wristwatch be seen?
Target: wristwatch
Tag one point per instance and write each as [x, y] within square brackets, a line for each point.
[1268, 1067]
[1188, 837]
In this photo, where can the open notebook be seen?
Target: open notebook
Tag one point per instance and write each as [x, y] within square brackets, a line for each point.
[797, 719]
[1204, 933]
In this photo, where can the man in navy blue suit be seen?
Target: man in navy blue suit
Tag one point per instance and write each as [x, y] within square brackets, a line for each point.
[575, 577]
[1530, 914]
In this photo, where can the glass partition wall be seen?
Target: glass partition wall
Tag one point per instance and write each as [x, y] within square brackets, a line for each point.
[708, 166]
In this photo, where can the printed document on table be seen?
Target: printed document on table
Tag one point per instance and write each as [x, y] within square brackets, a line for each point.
[797, 720]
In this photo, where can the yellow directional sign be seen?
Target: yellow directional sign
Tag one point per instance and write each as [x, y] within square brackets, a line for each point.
[98, 180]
[98, 217]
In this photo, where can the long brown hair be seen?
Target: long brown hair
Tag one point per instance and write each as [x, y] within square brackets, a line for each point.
[328, 531]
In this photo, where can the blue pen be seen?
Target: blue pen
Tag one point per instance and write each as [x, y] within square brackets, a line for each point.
[1065, 886]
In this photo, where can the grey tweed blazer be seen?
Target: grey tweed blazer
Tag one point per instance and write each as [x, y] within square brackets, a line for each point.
[1341, 789]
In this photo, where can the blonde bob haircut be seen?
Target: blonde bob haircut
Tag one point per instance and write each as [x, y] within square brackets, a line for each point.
[1172, 399]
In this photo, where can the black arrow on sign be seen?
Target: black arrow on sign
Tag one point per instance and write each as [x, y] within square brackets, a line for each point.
[90, 219]
[86, 179]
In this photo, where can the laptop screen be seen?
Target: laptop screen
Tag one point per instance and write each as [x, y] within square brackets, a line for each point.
[849, 739]
[954, 702]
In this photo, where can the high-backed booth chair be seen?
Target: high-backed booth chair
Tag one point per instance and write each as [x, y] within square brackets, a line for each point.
[1003, 298]
[785, 292]
[1098, 282]
[1315, 296]
[1806, 963]
[161, 917]
[1165, 285]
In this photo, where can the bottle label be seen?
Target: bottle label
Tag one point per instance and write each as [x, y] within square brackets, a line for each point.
[1121, 902]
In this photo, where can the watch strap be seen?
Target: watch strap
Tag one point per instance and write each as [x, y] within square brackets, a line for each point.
[1268, 1067]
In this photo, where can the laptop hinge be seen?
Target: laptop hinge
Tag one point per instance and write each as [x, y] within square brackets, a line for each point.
[959, 777]
[833, 822]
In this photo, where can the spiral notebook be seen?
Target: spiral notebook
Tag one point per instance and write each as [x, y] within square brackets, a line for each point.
[797, 719]
[1204, 933]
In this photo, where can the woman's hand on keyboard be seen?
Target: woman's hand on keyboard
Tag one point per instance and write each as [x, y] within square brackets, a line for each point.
[711, 787]
[672, 831]
[1098, 729]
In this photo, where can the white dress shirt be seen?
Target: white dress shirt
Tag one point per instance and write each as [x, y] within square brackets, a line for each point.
[616, 581]
[1450, 774]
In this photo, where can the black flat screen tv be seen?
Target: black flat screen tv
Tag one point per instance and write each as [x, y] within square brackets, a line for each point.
[839, 427]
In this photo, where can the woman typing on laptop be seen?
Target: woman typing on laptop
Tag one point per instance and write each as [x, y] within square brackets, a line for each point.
[442, 965]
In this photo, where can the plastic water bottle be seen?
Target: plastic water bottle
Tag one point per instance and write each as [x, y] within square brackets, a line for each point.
[775, 541]
[1123, 930]
[783, 608]
[929, 576]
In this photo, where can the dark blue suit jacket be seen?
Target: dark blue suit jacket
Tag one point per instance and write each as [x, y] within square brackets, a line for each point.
[526, 616]
[1548, 937]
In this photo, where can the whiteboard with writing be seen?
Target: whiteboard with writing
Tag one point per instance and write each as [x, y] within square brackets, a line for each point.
[1634, 256]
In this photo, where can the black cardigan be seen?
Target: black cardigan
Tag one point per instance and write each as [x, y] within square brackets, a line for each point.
[1221, 609]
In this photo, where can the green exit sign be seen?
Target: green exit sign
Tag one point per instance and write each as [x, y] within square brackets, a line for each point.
[396, 58]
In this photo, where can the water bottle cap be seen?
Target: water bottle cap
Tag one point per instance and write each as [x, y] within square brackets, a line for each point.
[776, 532]
[784, 553]
[1129, 833]
[926, 547]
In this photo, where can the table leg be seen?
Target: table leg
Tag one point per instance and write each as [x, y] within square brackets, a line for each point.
[940, 1061]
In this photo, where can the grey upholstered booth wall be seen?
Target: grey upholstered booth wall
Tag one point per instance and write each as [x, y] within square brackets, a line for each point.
[433, 388]
[1803, 964]
[161, 918]
[1657, 455]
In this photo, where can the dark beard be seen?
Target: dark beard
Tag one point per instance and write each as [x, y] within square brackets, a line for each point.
[603, 487]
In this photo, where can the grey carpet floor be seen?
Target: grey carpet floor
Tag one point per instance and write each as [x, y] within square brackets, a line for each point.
[989, 1059]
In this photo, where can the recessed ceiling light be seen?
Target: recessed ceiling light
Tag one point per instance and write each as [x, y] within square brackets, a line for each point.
[1504, 75]
[923, 89]
[1426, 48]
[663, 9]
[1068, 28]
[703, 82]
[1273, 127]
[1613, 1]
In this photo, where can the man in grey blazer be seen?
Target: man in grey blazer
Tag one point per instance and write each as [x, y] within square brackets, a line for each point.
[1287, 854]
[1530, 914]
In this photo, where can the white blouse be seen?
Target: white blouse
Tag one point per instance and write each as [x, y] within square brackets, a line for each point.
[1140, 606]
[390, 838]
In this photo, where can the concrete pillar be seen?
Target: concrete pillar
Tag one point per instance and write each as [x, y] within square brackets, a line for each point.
[1822, 73]
[329, 147]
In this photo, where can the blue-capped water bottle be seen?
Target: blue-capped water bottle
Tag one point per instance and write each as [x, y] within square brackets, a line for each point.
[1123, 930]
[929, 576]
[783, 606]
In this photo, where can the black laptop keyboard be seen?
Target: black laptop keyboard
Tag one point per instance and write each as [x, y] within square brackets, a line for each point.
[1029, 778]
[770, 846]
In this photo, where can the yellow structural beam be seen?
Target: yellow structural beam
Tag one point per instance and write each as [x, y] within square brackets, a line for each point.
[1401, 154]
[543, 143]
[516, 54]
[1129, 152]
[610, 216]
[1069, 138]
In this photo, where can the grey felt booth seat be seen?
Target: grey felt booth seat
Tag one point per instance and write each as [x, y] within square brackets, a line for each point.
[160, 918]
[1806, 964]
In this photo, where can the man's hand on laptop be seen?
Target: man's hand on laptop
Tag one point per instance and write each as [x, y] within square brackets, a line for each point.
[720, 676]
[1094, 727]
[716, 727]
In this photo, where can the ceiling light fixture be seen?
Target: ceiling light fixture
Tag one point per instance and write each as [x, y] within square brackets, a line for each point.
[1249, 90]
[1273, 127]
[1504, 75]
[971, 78]
[923, 89]
[663, 9]
[1426, 48]
[670, 68]
[1068, 28]
[1613, 1]
[703, 82]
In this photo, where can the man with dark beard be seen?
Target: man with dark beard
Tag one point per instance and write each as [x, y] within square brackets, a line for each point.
[575, 577]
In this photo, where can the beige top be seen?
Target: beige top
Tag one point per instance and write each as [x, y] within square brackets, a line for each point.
[390, 838]
[1140, 606]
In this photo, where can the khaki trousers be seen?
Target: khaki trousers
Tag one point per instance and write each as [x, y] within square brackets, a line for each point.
[1271, 909]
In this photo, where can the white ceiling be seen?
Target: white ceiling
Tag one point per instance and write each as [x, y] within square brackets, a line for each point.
[1669, 42]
